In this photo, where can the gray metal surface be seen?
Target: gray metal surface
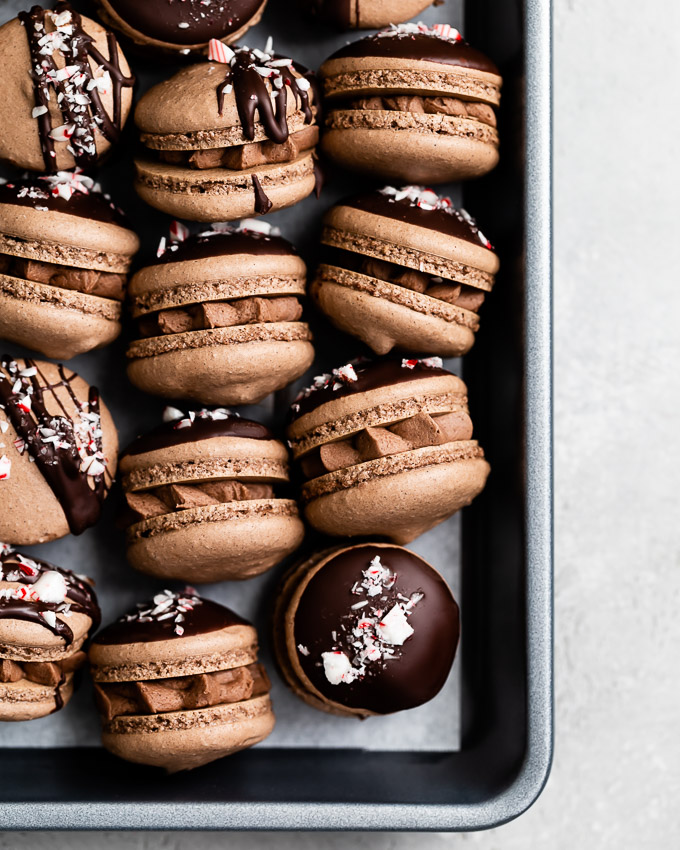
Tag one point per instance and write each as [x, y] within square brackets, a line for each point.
[524, 784]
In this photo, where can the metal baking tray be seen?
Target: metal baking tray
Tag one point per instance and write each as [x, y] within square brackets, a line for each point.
[479, 754]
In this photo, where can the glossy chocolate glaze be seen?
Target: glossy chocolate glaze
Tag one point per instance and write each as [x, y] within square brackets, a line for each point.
[93, 117]
[91, 205]
[168, 434]
[201, 247]
[371, 374]
[184, 22]
[79, 595]
[422, 663]
[418, 47]
[450, 223]
[205, 617]
[337, 13]
[80, 495]
[262, 202]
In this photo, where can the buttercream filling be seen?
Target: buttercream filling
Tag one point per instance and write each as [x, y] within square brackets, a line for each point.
[49, 673]
[240, 157]
[453, 106]
[183, 693]
[88, 281]
[457, 294]
[374, 442]
[169, 498]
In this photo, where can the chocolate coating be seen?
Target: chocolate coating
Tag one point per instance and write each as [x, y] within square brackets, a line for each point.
[168, 434]
[200, 247]
[93, 205]
[184, 22]
[371, 374]
[450, 223]
[207, 617]
[419, 47]
[423, 662]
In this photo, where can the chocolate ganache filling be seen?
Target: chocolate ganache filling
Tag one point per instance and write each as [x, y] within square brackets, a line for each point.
[66, 445]
[74, 88]
[376, 628]
[27, 603]
[186, 21]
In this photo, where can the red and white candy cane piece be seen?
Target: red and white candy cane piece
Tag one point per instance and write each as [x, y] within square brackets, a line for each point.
[447, 31]
[178, 231]
[218, 51]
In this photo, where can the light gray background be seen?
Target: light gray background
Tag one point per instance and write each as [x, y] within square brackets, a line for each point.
[616, 779]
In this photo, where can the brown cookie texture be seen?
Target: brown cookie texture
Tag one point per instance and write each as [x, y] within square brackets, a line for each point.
[203, 500]
[178, 684]
[27, 141]
[365, 630]
[162, 28]
[365, 14]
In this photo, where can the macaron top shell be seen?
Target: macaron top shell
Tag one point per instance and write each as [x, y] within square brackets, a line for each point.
[212, 244]
[396, 607]
[41, 605]
[74, 107]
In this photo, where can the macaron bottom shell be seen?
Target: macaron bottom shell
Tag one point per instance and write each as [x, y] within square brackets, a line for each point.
[418, 494]
[182, 740]
[255, 538]
[26, 700]
[383, 317]
[228, 374]
[220, 194]
[420, 155]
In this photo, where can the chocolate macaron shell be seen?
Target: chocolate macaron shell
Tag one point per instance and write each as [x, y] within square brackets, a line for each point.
[318, 613]
[44, 502]
[222, 194]
[26, 140]
[365, 14]
[158, 26]
[26, 700]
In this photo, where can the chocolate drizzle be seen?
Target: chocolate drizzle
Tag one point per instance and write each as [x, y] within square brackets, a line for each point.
[80, 596]
[247, 73]
[262, 202]
[76, 91]
[52, 441]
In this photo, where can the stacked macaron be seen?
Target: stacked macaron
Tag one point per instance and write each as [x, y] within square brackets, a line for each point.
[229, 138]
[412, 103]
[385, 448]
[46, 614]
[65, 251]
[219, 316]
[404, 268]
[201, 493]
[178, 684]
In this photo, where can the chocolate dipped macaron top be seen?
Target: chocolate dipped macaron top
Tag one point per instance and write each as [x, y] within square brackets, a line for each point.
[364, 14]
[229, 138]
[412, 103]
[46, 613]
[206, 498]
[67, 90]
[219, 316]
[58, 448]
[366, 630]
[65, 251]
[182, 26]
[403, 268]
[385, 448]
[177, 682]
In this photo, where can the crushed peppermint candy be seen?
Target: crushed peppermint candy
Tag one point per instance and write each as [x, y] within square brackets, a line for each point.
[5, 467]
[335, 379]
[166, 605]
[445, 31]
[428, 200]
[372, 630]
[428, 362]
[186, 420]
[179, 233]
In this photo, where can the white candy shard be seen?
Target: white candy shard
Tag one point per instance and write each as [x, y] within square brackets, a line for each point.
[51, 587]
[338, 668]
[394, 628]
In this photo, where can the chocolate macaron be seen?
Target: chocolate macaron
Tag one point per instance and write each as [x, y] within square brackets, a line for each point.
[183, 26]
[178, 684]
[58, 448]
[403, 268]
[65, 251]
[46, 613]
[364, 14]
[412, 103]
[386, 449]
[229, 138]
[219, 316]
[202, 501]
[66, 90]
[365, 630]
